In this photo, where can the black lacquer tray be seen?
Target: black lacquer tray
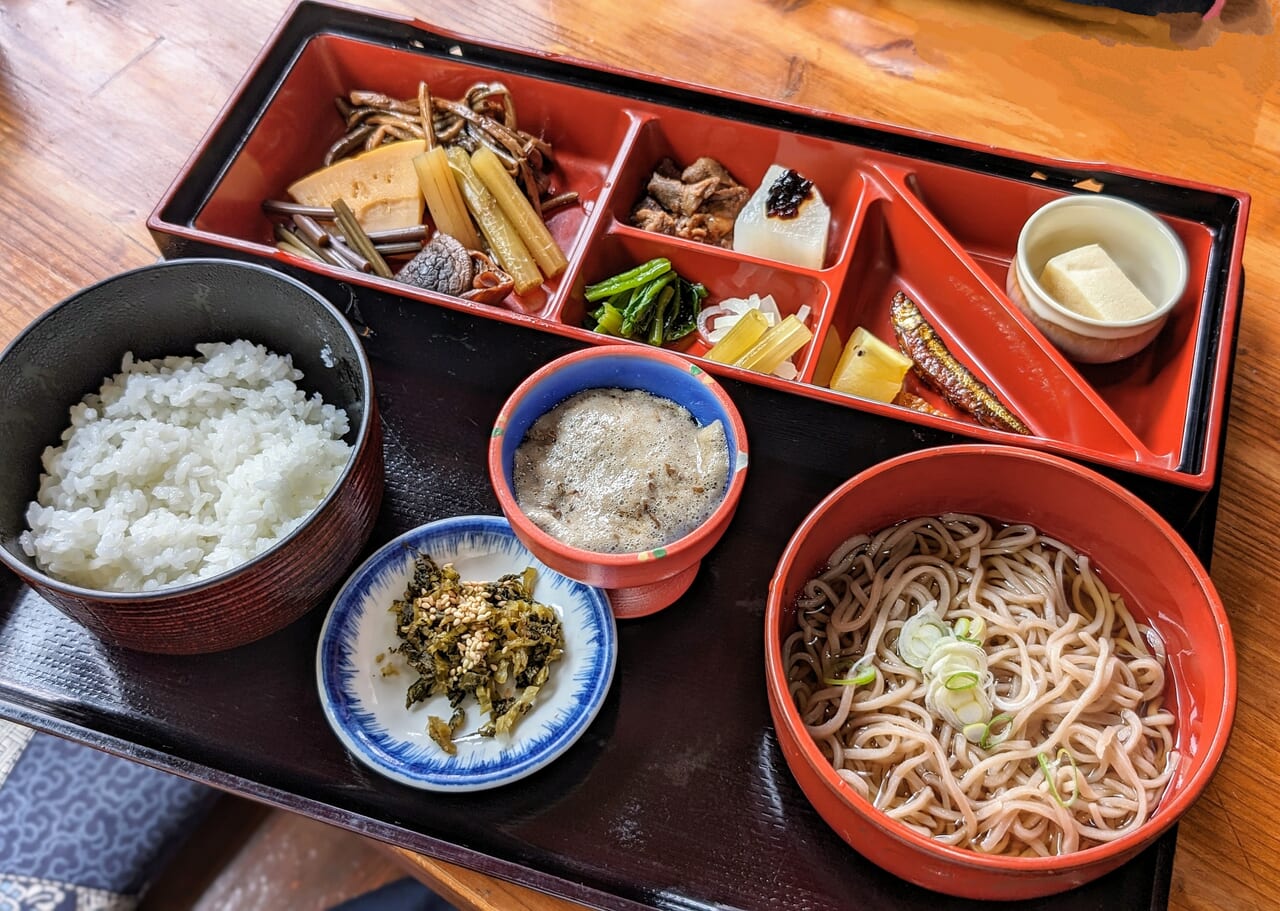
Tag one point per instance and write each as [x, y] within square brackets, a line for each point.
[677, 796]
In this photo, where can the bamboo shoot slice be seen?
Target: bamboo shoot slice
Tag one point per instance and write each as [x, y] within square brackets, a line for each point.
[444, 199]
[380, 186]
[503, 241]
[518, 210]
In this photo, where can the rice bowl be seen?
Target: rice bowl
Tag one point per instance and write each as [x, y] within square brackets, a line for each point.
[180, 468]
[167, 309]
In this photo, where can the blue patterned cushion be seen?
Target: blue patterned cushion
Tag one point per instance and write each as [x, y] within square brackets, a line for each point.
[81, 830]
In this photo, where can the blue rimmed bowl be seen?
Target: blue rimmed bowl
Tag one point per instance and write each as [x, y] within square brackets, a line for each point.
[365, 704]
[642, 582]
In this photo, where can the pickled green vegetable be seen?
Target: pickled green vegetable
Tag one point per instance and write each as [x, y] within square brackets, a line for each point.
[488, 640]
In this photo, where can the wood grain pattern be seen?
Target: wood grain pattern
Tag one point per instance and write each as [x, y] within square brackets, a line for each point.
[101, 102]
[467, 889]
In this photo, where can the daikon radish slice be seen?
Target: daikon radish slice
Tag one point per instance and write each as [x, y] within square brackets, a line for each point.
[799, 239]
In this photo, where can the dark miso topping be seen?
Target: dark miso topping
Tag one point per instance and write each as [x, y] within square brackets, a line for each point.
[786, 195]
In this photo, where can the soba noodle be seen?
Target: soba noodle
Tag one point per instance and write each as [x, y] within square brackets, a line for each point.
[1080, 747]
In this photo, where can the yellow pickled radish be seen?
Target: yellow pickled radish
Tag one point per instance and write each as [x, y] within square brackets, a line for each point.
[748, 330]
[870, 368]
[776, 345]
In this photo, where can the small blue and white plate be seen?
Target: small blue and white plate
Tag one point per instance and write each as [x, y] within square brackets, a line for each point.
[365, 705]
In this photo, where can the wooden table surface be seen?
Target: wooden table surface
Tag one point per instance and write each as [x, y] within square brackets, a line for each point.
[101, 102]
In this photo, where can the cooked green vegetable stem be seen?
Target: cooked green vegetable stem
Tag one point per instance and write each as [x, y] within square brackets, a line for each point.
[632, 278]
[660, 315]
[285, 240]
[657, 304]
[358, 239]
[317, 252]
[639, 312]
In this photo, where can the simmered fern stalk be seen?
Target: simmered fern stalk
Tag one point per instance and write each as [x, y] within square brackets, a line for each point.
[488, 640]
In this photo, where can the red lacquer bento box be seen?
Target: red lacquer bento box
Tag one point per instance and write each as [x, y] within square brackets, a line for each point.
[935, 218]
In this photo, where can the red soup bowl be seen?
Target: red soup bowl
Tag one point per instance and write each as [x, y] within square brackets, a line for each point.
[641, 582]
[1138, 556]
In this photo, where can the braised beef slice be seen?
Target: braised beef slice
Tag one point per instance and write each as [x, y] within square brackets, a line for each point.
[667, 168]
[706, 167]
[648, 215]
[678, 197]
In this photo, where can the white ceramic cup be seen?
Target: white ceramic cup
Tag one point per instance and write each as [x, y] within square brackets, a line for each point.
[1141, 244]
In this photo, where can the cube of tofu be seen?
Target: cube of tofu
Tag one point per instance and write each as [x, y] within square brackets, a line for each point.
[1087, 281]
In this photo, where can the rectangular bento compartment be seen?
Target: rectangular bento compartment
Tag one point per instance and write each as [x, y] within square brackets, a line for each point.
[746, 151]
[723, 276]
[301, 122]
[1151, 392]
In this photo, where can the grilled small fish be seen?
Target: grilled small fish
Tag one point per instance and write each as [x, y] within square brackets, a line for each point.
[937, 366]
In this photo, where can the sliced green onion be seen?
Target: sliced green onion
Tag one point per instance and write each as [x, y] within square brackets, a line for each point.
[970, 630]
[857, 673]
[998, 730]
[990, 733]
[960, 680]
[951, 654]
[1050, 770]
[922, 631]
[958, 708]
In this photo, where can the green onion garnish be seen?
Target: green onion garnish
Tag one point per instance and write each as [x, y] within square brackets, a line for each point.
[1050, 773]
[922, 631]
[857, 673]
[968, 630]
[994, 737]
[961, 680]
[991, 733]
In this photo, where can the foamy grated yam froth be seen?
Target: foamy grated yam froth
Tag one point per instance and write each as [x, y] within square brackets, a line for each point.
[181, 468]
[620, 471]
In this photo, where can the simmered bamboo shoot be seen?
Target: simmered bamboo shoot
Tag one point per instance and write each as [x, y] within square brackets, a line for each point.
[518, 210]
[503, 240]
[380, 186]
[444, 199]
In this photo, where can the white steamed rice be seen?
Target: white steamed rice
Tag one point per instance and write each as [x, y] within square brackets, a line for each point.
[182, 468]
